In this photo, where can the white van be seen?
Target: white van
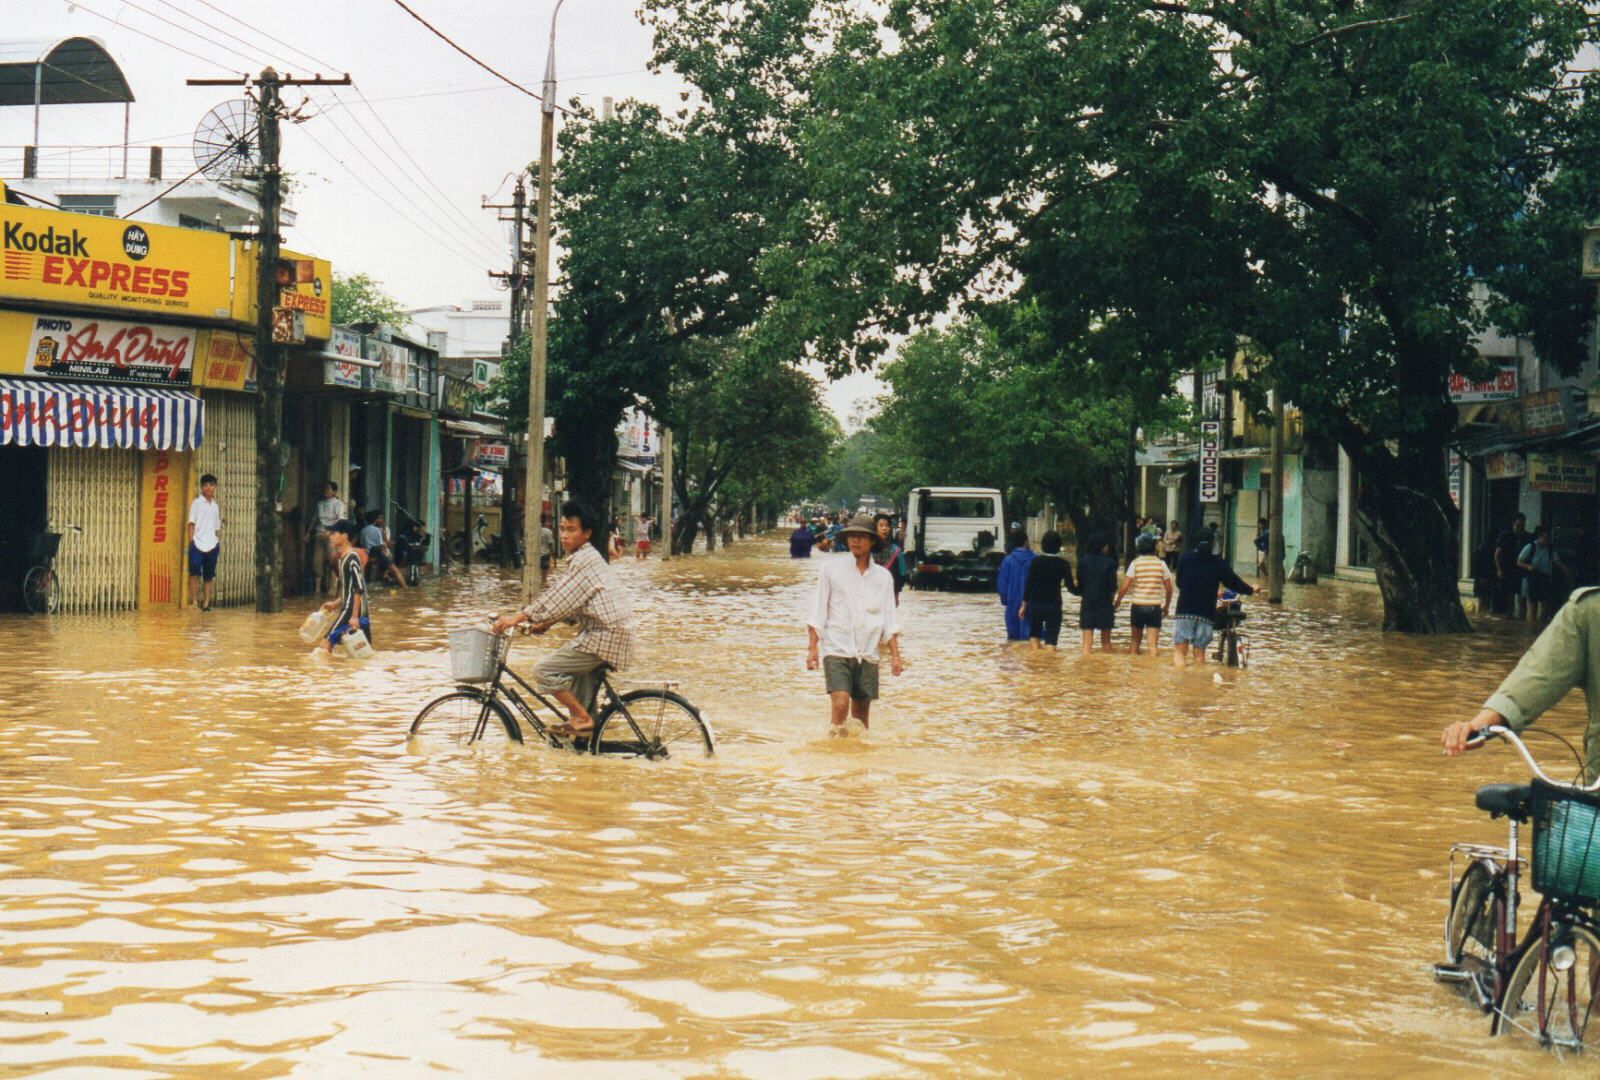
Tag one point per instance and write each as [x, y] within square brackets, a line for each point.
[956, 536]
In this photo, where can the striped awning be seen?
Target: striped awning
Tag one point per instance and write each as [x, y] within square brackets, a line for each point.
[38, 413]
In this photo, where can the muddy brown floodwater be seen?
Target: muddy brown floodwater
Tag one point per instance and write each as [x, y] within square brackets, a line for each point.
[221, 858]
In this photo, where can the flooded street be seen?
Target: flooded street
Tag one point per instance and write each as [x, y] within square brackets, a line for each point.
[219, 857]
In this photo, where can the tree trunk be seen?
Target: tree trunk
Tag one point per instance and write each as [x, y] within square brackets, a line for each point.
[590, 448]
[1405, 505]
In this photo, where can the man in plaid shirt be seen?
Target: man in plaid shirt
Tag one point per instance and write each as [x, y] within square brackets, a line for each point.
[587, 593]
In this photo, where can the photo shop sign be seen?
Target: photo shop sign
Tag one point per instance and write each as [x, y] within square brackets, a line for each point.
[1210, 461]
[107, 350]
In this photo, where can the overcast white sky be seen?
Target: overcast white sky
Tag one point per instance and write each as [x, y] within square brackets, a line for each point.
[393, 171]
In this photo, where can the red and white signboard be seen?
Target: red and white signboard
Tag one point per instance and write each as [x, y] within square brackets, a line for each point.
[72, 346]
[1502, 387]
[492, 455]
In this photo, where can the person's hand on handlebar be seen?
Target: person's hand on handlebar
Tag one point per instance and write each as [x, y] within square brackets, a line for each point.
[1456, 735]
[506, 622]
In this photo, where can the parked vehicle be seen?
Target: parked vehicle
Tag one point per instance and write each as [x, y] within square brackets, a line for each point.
[411, 545]
[485, 544]
[955, 537]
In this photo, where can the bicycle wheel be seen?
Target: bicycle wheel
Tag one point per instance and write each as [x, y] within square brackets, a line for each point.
[456, 717]
[1568, 995]
[1469, 930]
[669, 724]
[41, 591]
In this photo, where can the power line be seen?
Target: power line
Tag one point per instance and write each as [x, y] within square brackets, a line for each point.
[380, 171]
[257, 30]
[184, 29]
[226, 33]
[197, 171]
[443, 243]
[135, 30]
[442, 36]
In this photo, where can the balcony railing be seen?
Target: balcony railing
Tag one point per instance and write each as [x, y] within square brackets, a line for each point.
[116, 162]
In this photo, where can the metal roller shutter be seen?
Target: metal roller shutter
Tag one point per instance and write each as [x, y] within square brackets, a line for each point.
[97, 490]
[228, 452]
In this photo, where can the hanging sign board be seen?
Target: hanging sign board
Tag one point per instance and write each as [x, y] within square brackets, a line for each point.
[339, 372]
[487, 454]
[1210, 461]
[1506, 465]
[1561, 474]
[1547, 412]
[97, 349]
[1501, 387]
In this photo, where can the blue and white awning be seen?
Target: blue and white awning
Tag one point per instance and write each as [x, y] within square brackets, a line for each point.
[38, 413]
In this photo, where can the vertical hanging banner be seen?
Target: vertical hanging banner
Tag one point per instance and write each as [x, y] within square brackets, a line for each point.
[1210, 461]
[163, 480]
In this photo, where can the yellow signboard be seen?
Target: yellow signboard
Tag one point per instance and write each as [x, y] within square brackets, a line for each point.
[314, 297]
[97, 348]
[163, 480]
[136, 269]
[1566, 474]
[225, 360]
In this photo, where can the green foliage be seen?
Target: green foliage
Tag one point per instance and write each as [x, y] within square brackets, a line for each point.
[361, 298]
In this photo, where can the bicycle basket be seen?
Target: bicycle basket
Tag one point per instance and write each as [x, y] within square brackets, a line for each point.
[475, 655]
[1566, 843]
[45, 545]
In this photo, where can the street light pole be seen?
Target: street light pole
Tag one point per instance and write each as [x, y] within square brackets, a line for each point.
[532, 578]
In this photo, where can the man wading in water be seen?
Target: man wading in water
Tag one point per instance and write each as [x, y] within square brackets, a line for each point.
[854, 616]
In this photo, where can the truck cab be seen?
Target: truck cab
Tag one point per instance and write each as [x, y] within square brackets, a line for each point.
[955, 535]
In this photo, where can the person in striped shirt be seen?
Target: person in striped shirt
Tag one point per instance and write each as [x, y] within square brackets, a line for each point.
[1148, 588]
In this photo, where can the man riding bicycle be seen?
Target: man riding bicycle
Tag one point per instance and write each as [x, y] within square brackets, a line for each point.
[1566, 655]
[587, 593]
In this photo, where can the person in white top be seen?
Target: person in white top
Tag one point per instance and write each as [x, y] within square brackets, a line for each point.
[205, 523]
[330, 511]
[853, 619]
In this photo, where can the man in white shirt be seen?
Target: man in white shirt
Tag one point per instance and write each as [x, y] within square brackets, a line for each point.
[853, 619]
[205, 523]
[330, 511]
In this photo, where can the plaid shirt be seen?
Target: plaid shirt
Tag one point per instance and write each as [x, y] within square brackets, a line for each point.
[588, 593]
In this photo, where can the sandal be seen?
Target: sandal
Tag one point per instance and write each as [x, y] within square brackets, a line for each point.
[566, 730]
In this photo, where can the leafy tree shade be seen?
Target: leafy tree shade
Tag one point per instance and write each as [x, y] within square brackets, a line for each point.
[1358, 186]
[361, 298]
[748, 432]
[661, 220]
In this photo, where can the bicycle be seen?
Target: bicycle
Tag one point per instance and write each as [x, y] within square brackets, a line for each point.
[650, 723]
[41, 585]
[1546, 984]
[1233, 647]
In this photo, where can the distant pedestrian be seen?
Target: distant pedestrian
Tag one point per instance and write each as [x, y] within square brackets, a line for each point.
[329, 510]
[351, 604]
[1010, 581]
[1097, 590]
[205, 542]
[1539, 564]
[641, 539]
[1041, 592]
[1263, 542]
[547, 544]
[1507, 547]
[801, 541]
[1200, 573]
[1172, 545]
[1148, 588]
[852, 620]
[889, 554]
[375, 538]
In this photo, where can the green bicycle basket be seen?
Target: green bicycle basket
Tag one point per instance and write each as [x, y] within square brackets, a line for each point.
[1566, 843]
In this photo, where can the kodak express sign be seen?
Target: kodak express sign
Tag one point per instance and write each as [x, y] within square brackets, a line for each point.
[84, 260]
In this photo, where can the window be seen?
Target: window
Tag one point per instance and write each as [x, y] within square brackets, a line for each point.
[98, 205]
[953, 506]
[187, 222]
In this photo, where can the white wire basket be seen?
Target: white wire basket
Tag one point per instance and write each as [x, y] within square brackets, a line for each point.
[474, 655]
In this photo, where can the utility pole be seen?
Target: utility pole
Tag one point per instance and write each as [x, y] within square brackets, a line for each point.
[668, 537]
[269, 358]
[532, 579]
[517, 280]
[1275, 515]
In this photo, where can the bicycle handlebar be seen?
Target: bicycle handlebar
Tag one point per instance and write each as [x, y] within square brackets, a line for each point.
[1498, 731]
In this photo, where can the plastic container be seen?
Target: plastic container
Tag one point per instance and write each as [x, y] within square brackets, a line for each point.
[356, 646]
[474, 656]
[315, 626]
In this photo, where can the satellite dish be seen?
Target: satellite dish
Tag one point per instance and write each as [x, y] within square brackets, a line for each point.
[227, 142]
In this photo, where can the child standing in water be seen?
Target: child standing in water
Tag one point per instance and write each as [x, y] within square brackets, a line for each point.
[1041, 593]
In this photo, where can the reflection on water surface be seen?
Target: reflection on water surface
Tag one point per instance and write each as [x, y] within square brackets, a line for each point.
[222, 857]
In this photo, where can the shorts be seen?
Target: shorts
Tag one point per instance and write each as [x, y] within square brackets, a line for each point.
[571, 669]
[1145, 617]
[338, 632]
[1045, 623]
[380, 558]
[1096, 616]
[203, 564]
[1196, 630]
[643, 546]
[858, 678]
[1538, 586]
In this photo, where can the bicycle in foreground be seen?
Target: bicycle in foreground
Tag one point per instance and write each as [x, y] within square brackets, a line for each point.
[1544, 984]
[491, 700]
[41, 585]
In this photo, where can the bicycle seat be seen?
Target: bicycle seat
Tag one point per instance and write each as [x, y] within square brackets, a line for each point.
[1505, 800]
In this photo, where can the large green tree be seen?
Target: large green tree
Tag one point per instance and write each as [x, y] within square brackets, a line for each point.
[361, 298]
[1358, 186]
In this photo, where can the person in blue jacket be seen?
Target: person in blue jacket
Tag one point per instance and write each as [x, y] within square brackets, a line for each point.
[1011, 583]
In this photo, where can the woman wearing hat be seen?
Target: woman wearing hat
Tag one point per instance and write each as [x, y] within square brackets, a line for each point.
[851, 621]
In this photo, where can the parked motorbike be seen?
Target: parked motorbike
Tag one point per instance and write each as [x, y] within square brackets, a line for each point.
[485, 544]
[411, 546]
